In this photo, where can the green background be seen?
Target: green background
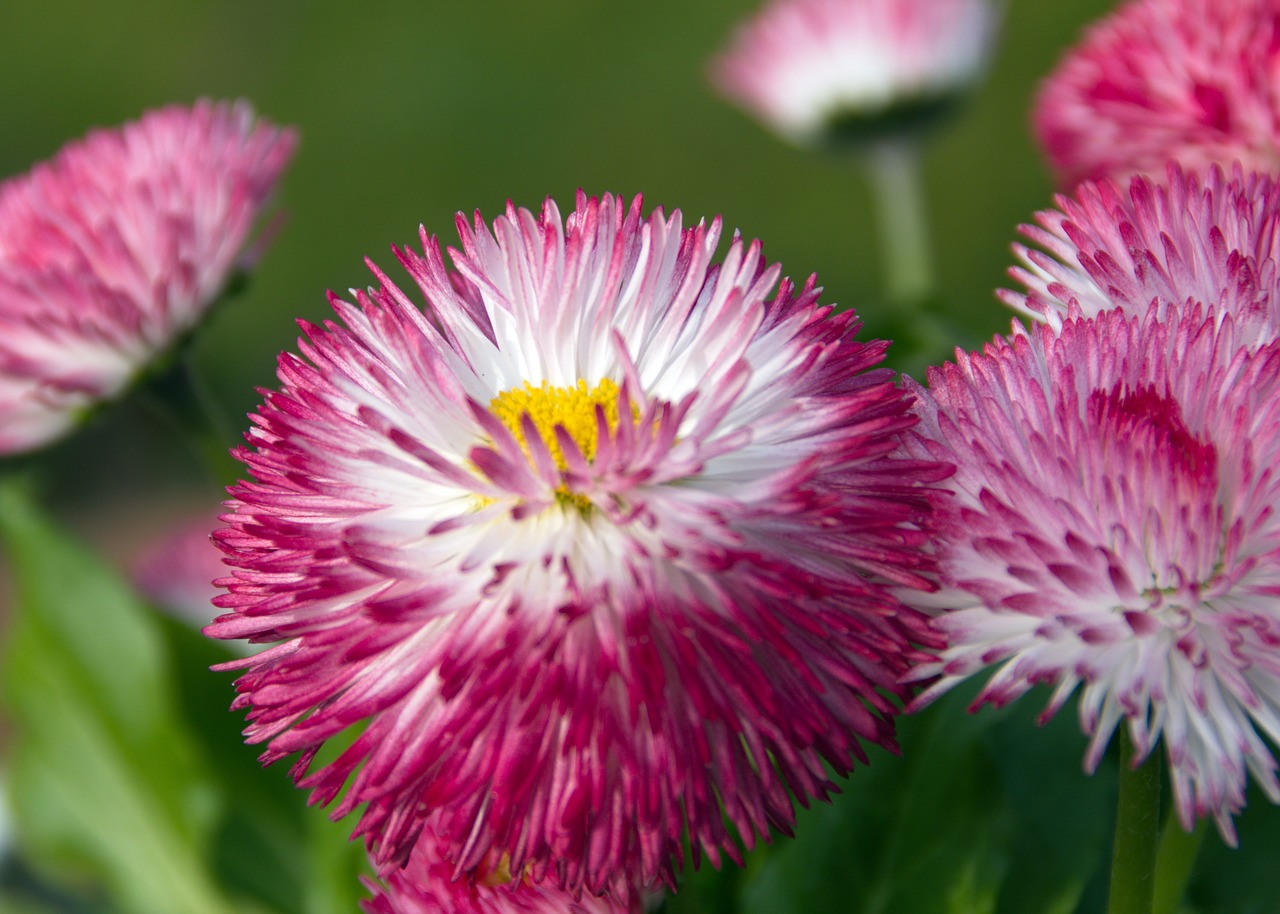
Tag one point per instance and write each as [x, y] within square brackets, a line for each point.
[411, 111]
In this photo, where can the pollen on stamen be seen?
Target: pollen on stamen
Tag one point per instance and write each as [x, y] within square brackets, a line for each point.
[571, 408]
[574, 408]
[499, 873]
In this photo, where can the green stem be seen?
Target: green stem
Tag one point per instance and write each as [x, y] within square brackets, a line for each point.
[214, 419]
[1174, 861]
[180, 401]
[904, 225]
[1133, 859]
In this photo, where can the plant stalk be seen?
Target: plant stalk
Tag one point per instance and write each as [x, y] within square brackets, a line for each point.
[896, 186]
[1133, 858]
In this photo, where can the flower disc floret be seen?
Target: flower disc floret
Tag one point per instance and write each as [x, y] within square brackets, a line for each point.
[114, 249]
[572, 408]
[1112, 530]
[1189, 80]
[600, 550]
[583, 413]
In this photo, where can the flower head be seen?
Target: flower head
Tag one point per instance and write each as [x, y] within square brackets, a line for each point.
[428, 885]
[1208, 240]
[838, 70]
[113, 249]
[1193, 80]
[1112, 530]
[600, 547]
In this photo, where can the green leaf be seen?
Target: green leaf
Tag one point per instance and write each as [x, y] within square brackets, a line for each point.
[105, 781]
[22, 893]
[1240, 880]
[1060, 844]
[335, 867]
[982, 812]
[270, 845]
[916, 833]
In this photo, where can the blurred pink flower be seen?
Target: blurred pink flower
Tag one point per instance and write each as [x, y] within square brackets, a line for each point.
[816, 70]
[426, 885]
[600, 548]
[1113, 530]
[112, 251]
[1210, 240]
[176, 571]
[1193, 80]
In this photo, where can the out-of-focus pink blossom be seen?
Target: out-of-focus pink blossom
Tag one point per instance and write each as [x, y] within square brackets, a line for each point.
[114, 249]
[176, 571]
[821, 70]
[1197, 81]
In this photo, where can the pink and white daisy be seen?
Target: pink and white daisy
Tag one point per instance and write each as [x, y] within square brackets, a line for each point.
[1208, 240]
[427, 885]
[114, 249]
[817, 70]
[1193, 80]
[1113, 530]
[599, 550]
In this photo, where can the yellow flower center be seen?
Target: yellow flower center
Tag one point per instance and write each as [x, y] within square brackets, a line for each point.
[500, 874]
[572, 408]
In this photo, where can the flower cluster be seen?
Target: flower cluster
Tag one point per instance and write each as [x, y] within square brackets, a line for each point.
[1111, 522]
[113, 250]
[601, 550]
[620, 544]
[1189, 80]
[1111, 526]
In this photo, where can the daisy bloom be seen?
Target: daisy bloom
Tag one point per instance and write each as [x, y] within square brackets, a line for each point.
[599, 550]
[427, 885]
[114, 249]
[1208, 240]
[839, 70]
[1192, 80]
[1113, 531]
